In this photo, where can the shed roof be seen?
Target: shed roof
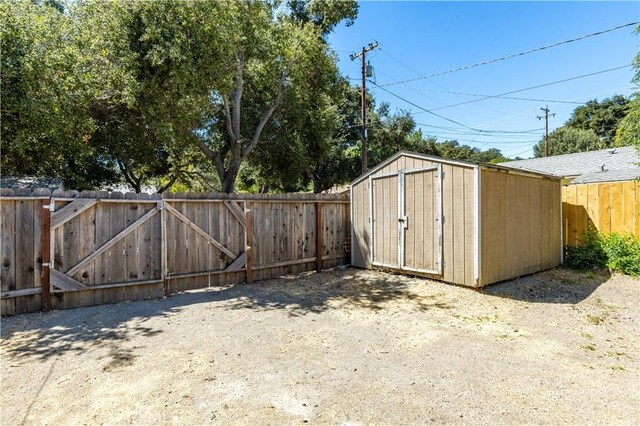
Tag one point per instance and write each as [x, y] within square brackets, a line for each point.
[618, 164]
[445, 161]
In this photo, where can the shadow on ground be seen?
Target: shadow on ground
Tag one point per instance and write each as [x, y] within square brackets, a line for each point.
[45, 335]
[555, 286]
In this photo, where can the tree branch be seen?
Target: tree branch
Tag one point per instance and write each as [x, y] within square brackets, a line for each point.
[213, 156]
[267, 114]
[173, 180]
[237, 95]
[129, 176]
[227, 115]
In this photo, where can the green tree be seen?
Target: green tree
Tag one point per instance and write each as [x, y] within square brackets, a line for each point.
[591, 126]
[278, 111]
[45, 87]
[174, 51]
[629, 129]
[567, 140]
[602, 118]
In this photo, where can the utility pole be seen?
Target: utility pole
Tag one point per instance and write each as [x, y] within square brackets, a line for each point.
[363, 100]
[546, 128]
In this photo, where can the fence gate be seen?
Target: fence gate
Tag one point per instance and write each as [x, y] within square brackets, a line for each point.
[127, 243]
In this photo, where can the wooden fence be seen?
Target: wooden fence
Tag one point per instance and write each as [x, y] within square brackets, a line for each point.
[70, 249]
[608, 207]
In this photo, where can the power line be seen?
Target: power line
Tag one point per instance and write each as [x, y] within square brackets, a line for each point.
[514, 55]
[429, 80]
[528, 88]
[520, 153]
[484, 130]
[428, 111]
[500, 97]
[486, 142]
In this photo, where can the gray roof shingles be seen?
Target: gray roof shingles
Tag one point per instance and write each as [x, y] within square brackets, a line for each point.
[605, 165]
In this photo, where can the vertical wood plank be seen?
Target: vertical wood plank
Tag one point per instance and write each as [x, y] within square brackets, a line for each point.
[8, 227]
[617, 207]
[46, 255]
[319, 236]
[249, 243]
[605, 209]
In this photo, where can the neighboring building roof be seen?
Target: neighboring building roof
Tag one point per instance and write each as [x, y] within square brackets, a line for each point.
[604, 165]
[337, 189]
[608, 176]
[31, 182]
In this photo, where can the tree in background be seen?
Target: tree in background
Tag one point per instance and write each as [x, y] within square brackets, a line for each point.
[567, 140]
[629, 130]
[272, 53]
[175, 52]
[45, 87]
[591, 126]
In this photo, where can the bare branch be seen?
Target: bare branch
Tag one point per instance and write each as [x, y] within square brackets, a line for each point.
[213, 156]
[168, 185]
[129, 176]
[227, 115]
[237, 95]
[267, 114]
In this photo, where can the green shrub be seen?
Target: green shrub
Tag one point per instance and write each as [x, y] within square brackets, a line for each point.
[623, 253]
[588, 254]
[620, 253]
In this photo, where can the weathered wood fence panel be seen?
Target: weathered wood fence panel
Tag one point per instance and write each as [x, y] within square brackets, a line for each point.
[607, 207]
[111, 247]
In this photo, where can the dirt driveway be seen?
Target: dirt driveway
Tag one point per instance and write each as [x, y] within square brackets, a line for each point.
[347, 347]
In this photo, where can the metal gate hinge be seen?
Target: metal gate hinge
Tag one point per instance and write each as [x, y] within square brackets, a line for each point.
[51, 207]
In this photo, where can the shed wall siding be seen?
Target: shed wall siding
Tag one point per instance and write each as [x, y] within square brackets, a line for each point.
[361, 241]
[458, 209]
[520, 225]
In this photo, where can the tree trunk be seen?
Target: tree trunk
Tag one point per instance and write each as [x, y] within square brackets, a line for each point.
[317, 185]
[237, 147]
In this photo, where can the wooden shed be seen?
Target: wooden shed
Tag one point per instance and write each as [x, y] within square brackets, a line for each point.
[455, 221]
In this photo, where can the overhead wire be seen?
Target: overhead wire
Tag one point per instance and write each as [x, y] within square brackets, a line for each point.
[556, 101]
[431, 112]
[429, 80]
[514, 55]
[526, 88]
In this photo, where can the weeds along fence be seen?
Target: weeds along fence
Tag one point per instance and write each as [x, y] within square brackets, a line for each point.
[67, 249]
[607, 207]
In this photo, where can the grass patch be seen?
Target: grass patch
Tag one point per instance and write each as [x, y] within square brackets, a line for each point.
[587, 336]
[590, 347]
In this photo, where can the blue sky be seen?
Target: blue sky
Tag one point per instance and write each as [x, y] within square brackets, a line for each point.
[423, 38]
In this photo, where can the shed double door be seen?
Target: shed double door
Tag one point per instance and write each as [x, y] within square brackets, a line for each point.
[406, 222]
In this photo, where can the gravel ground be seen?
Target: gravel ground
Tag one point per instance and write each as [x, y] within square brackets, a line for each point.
[347, 347]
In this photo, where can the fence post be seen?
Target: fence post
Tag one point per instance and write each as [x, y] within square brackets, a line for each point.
[46, 254]
[319, 233]
[249, 242]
